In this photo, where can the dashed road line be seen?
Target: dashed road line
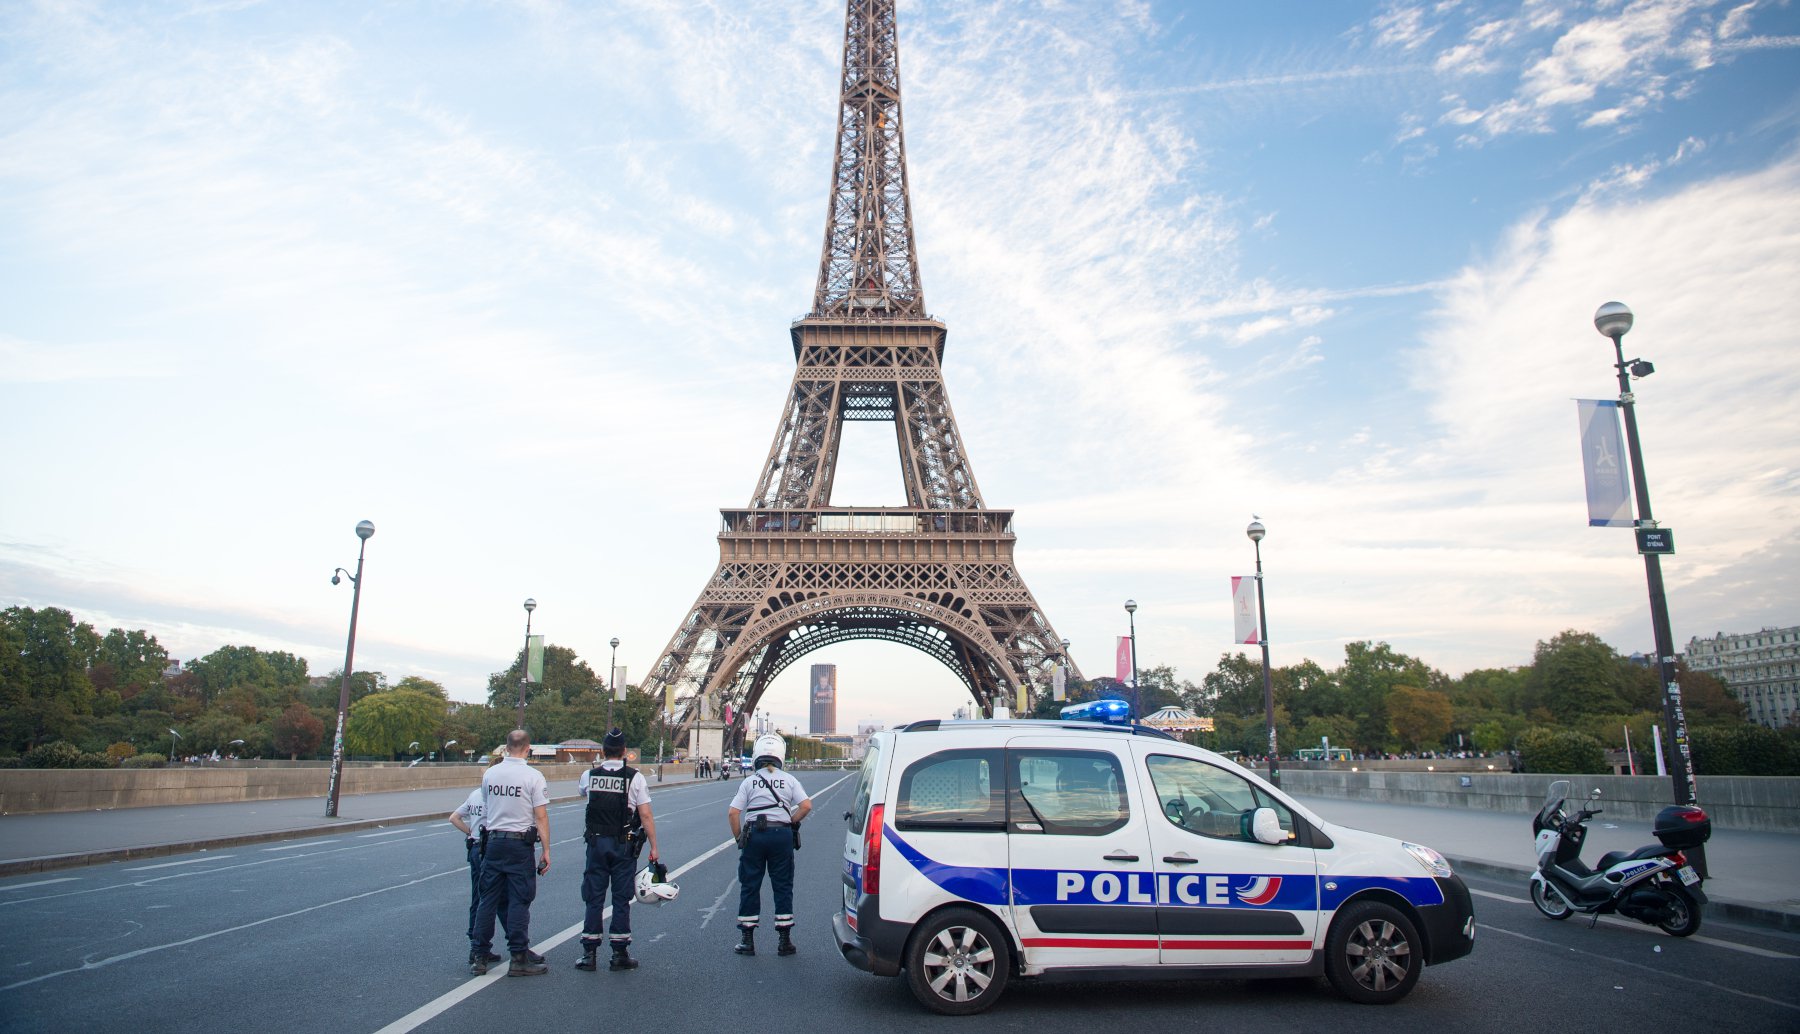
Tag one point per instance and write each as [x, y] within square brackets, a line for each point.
[185, 861]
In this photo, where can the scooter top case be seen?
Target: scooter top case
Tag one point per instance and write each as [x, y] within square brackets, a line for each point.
[1682, 827]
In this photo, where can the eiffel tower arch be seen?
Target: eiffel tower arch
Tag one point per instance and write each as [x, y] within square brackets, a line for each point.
[797, 573]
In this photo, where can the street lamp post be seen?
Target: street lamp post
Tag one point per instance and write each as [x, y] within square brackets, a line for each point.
[444, 755]
[525, 661]
[612, 682]
[1256, 532]
[1062, 665]
[364, 529]
[1131, 615]
[1612, 320]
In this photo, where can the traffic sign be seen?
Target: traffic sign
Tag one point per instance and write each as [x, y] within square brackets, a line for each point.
[1656, 540]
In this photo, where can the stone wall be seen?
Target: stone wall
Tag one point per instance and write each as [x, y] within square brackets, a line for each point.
[25, 791]
[1765, 803]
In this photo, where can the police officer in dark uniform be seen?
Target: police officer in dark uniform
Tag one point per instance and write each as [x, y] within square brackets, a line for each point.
[516, 810]
[765, 817]
[618, 821]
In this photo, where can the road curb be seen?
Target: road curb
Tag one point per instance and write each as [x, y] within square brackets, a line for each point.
[51, 863]
[1716, 908]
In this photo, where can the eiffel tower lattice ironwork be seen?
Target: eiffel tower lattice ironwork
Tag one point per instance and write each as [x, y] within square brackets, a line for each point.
[797, 573]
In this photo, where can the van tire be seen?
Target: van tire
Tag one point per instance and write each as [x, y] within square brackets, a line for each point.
[1373, 955]
[958, 962]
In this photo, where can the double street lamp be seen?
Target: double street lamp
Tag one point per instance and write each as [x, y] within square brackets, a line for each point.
[364, 529]
[1256, 531]
[1612, 320]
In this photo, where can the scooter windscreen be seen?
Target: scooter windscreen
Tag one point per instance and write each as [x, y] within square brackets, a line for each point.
[1553, 802]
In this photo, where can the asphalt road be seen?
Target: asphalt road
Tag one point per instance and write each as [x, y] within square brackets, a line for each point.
[364, 932]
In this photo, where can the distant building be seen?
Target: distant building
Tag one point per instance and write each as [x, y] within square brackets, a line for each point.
[860, 745]
[1762, 669]
[824, 700]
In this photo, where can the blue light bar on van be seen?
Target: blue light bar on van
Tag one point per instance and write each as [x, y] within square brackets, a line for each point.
[1110, 711]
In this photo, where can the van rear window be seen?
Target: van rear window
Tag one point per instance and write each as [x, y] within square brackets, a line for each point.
[952, 790]
[865, 785]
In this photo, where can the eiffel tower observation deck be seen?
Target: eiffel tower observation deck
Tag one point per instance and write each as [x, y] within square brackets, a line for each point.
[797, 573]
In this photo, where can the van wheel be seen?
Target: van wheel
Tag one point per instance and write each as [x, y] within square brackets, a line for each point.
[1549, 900]
[958, 963]
[1373, 954]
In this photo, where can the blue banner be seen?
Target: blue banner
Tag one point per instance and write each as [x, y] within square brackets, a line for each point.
[1602, 452]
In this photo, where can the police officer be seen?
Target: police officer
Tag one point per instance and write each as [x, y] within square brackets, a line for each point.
[765, 816]
[468, 818]
[618, 813]
[516, 810]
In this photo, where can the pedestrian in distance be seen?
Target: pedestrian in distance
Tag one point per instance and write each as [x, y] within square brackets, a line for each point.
[468, 818]
[516, 810]
[765, 817]
[618, 824]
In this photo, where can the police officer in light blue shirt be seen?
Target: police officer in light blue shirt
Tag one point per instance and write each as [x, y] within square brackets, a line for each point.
[765, 817]
[516, 810]
[469, 819]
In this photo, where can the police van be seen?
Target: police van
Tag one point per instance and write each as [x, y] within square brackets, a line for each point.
[985, 850]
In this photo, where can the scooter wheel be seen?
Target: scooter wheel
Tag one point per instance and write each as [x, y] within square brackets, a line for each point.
[1549, 900]
[1681, 913]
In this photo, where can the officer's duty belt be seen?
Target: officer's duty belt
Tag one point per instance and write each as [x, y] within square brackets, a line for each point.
[507, 834]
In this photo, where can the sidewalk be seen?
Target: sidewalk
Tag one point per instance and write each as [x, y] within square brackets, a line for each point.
[1751, 876]
[61, 840]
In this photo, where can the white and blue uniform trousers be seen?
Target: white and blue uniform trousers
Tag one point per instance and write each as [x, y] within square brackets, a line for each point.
[770, 850]
[609, 861]
[475, 885]
[508, 886]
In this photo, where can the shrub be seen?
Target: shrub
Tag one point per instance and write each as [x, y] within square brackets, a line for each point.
[120, 751]
[144, 761]
[1750, 750]
[1561, 751]
[60, 754]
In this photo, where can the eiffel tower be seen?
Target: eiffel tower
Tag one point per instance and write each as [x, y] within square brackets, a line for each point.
[797, 573]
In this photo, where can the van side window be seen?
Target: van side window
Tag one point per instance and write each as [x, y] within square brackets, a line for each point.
[865, 786]
[1210, 801]
[952, 790]
[1067, 792]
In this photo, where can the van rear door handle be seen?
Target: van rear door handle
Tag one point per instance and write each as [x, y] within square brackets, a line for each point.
[1120, 856]
[1180, 859]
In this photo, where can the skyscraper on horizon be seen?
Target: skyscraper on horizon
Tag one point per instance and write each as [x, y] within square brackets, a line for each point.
[824, 700]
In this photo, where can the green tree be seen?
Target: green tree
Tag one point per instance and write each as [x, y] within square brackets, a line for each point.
[1561, 751]
[385, 723]
[1418, 717]
[1575, 674]
[566, 677]
[230, 666]
[1368, 675]
[1491, 737]
[1234, 688]
[44, 688]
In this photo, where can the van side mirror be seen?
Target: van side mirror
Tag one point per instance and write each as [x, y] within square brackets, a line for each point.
[1266, 828]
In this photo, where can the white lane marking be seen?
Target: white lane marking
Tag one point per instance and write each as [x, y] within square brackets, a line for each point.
[41, 883]
[436, 1007]
[185, 861]
[383, 833]
[232, 929]
[1637, 927]
[1657, 973]
[303, 843]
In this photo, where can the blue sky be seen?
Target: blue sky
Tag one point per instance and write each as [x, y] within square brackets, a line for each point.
[513, 281]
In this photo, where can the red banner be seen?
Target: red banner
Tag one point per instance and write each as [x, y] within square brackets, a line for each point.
[1124, 665]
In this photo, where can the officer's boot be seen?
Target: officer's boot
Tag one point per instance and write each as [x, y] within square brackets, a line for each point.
[522, 966]
[587, 962]
[747, 946]
[478, 963]
[622, 957]
[786, 946]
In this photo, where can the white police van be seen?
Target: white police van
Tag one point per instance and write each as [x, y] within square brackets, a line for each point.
[980, 851]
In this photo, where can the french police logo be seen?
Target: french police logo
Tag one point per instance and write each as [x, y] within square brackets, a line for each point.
[1259, 891]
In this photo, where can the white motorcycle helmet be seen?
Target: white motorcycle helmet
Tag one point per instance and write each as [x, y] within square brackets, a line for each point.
[653, 886]
[769, 745]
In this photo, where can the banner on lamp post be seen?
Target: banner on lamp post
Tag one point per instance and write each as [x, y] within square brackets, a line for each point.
[1059, 684]
[1243, 608]
[1123, 666]
[1608, 497]
[618, 674]
[534, 659]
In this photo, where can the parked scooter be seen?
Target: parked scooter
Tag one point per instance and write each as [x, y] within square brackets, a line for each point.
[1653, 884]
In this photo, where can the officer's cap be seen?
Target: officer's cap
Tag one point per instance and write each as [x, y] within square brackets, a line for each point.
[615, 740]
